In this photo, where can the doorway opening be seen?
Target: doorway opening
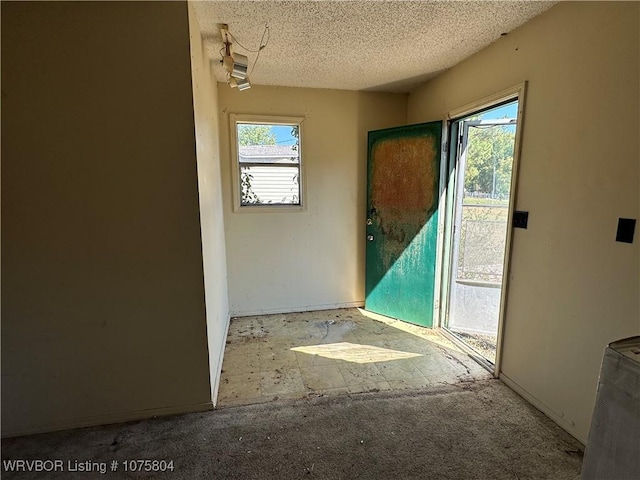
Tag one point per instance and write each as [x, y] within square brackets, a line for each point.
[480, 207]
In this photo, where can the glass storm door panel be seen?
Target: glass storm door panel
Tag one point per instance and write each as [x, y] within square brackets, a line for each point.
[402, 221]
[481, 212]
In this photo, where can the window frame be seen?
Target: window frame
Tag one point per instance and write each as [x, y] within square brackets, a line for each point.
[238, 118]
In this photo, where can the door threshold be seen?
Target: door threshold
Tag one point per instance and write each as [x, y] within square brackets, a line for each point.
[470, 351]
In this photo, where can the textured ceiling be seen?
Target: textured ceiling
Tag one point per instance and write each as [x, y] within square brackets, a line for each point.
[357, 45]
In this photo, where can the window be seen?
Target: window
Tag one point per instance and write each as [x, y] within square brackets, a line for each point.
[267, 162]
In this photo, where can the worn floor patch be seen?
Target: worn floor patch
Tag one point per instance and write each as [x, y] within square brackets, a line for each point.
[333, 352]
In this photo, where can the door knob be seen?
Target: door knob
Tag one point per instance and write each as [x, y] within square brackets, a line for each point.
[370, 238]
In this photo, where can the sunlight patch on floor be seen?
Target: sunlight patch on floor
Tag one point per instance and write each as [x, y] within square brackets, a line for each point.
[352, 352]
[431, 335]
[336, 352]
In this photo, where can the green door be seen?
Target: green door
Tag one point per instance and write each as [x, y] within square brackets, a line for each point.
[402, 221]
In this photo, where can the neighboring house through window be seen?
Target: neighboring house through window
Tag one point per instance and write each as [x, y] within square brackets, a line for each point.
[267, 162]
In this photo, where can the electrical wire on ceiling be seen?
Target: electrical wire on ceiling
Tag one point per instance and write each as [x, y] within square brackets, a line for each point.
[262, 45]
[266, 28]
[235, 63]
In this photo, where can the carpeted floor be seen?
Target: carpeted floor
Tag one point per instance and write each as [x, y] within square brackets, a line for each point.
[478, 430]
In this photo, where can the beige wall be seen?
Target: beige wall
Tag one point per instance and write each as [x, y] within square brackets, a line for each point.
[313, 259]
[103, 303]
[205, 104]
[573, 288]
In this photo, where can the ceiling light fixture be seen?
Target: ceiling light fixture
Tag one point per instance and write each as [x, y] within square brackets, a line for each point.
[240, 66]
[235, 64]
[239, 83]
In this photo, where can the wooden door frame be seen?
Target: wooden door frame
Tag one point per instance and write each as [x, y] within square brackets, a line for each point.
[447, 197]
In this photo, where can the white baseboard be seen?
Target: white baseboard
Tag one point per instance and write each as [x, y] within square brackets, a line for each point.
[107, 419]
[569, 427]
[307, 308]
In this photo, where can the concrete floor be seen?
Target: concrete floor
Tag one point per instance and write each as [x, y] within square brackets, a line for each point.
[334, 352]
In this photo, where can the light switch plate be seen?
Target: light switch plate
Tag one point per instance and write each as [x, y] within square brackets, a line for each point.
[626, 229]
[520, 219]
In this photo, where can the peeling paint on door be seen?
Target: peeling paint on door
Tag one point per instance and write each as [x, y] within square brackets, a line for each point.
[403, 172]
